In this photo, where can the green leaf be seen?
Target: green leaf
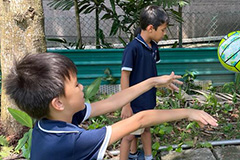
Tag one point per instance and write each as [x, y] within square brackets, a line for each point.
[189, 143]
[122, 41]
[93, 88]
[179, 149]
[114, 28]
[21, 117]
[23, 140]
[206, 144]
[112, 2]
[3, 141]
[61, 4]
[156, 146]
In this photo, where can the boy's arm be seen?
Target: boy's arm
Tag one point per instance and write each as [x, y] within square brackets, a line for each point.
[126, 110]
[125, 96]
[152, 117]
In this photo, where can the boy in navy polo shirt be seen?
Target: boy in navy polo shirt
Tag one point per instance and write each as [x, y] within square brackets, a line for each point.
[45, 86]
[138, 64]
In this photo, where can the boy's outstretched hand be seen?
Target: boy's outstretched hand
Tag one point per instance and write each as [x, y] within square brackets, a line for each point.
[168, 81]
[201, 117]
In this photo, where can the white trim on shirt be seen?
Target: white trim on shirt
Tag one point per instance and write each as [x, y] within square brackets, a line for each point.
[52, 131]
[88, 111]
[104, 146]
[126, 69]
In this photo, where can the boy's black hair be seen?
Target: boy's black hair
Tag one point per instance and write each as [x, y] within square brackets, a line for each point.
[36, 79]
[153, 15]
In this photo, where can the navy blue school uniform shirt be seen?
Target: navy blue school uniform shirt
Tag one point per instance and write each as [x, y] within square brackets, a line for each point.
[140, 60]
[58, 140]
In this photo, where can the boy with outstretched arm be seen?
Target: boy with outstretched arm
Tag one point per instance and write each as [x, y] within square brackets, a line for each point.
[45, 86]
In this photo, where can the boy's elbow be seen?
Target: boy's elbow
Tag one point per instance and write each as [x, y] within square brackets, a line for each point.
[141, 119]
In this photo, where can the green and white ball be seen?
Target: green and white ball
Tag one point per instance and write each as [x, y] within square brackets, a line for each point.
[229, 51]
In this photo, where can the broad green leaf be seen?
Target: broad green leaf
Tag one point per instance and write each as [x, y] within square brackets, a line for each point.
[23, 140]
[156, 146]
[26, 149]
[21, 117]
[93, 88]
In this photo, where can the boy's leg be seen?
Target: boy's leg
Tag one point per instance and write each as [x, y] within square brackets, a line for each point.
[133, 155]
[133, 148]
[147, 142]
[125, 146]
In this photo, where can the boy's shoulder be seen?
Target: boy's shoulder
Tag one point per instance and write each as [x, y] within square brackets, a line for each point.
[56, 136]
[52, 126]
[134, 44]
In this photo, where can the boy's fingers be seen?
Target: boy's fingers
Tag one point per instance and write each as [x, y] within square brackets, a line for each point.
[173, 87]
[208, 119]
[177, 82]
[177, 77]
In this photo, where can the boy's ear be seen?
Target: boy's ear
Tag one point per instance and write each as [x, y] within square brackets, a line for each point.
[57, 104]
[150, 28]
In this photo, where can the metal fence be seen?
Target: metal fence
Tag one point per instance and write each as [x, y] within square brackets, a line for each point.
[198, 29]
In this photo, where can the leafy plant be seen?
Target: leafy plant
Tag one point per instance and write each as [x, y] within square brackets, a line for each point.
[189, 78]
[92, 89]
[6, 150]
[24, 144]
[109, 77]
[128, 20]
[99, 122]
[232, 87]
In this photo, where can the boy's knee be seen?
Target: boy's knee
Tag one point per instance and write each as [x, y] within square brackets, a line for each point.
[147, 130]
[129, 138]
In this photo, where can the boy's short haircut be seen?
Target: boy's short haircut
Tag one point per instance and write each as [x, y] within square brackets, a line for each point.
[153, 15]
[36, 79]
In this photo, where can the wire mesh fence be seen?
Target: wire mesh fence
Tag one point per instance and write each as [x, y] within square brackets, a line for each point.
[198, 29]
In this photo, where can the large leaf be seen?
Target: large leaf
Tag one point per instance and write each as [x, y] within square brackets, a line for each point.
[114, 27]
[61, 4]
[21, 117]
[122, 41]
[26, 149]
[93, 88]
[24, 140]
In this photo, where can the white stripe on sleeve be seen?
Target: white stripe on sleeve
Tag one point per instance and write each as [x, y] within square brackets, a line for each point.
[126, 69]
[88, 112]
[105, 143]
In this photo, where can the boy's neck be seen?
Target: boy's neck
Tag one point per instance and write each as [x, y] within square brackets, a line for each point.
[146, 38]
[60, 117]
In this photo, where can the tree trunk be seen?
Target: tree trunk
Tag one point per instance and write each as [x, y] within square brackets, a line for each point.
[79, 36]
[22, 32]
